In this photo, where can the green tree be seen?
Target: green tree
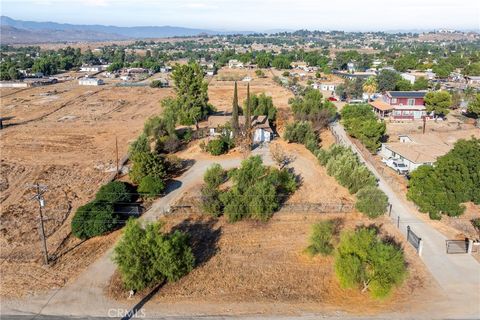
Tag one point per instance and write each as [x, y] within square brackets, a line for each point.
[371, 201]
[387, 80]
[192, 95]
[403, 85]
[421, 83]
[438, 102]
[147, 164]
[263, 59]
[363, 260]
[94, 219]
[151, 186]
[235, 124]
[148, 256]
[114, 192]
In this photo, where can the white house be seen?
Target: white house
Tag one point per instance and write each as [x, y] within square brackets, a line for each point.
[417, 149]
[409, 77]
[95, 68]
[90, 82]
[234, 63]
[262, 130]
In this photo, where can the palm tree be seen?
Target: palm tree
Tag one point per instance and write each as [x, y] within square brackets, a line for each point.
[370, 86]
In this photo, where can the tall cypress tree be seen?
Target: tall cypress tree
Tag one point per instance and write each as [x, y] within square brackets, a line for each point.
[248, 120]
[235, 126]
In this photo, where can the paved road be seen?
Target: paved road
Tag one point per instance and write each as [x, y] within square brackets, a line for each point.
[84, 297]
[457, 274]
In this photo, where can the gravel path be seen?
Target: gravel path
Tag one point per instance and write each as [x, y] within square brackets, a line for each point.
[457, 274]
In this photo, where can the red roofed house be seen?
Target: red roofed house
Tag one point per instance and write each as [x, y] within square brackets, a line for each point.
[401, 105]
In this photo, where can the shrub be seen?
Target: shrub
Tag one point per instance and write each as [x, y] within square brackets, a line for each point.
[476, 223]
[151, 187]
[211, 203]
[139, 145]
[321, 238]
[256, 192]
[215, 176]
[147, 164]
[94, 219]
[114, 192]
[300, 132]
[363, 260]
[148, 256]
[217, 147]
[371, 201]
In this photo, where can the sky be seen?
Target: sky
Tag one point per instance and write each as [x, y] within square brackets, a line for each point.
[255, 15]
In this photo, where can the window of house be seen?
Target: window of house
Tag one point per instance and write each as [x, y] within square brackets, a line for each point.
[394, 100]
[411, 102]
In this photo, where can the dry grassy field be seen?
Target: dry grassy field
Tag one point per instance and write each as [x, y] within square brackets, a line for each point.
[62, 136]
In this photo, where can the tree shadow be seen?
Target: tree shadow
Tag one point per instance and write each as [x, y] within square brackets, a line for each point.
[132, 313]
[203, 238]
[172, 185]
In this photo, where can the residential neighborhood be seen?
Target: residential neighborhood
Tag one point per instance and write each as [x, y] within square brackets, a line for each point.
[254, 160]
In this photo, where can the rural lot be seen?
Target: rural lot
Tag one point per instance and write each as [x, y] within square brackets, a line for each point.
[62, 136]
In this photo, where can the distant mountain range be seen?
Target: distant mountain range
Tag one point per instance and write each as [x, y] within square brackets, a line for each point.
[24, 32]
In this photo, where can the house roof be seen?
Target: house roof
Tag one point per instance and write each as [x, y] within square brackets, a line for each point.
[428, 147]
[380, 105]
[406, 94]
[257, 121]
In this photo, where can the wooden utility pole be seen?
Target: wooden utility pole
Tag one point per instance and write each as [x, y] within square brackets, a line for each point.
[424, 124]
[39, 191]
[116, 152]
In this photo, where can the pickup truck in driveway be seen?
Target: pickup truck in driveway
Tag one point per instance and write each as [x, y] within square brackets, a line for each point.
[397, 165]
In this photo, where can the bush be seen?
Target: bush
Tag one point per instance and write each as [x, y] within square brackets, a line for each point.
[363, 260]
[114, 192]
[94, 219]
[256, 192]
[476, 223]
[215, 176]
[147, 256]
[147, 164]
[151, 187]
[321, 238]
[211, 203]
[218, 146]
[371, 201]
[139, 145]
[300, 132]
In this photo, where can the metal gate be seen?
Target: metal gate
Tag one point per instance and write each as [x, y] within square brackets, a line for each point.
[457, 246]
[414, 240]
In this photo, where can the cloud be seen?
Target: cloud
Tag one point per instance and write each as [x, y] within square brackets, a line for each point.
[199, 5]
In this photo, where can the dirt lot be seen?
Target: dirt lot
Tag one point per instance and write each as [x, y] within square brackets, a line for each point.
[62, 136]
[264, 264]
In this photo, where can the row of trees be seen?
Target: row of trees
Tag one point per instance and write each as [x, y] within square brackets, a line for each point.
[455, 179]
[361, 122]
[344, 165]
[256, 192]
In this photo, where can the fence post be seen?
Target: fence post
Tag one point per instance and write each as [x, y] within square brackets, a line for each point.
[390, 210]
[470, 246]
[420, 247]
[398, 222]
[408, 232]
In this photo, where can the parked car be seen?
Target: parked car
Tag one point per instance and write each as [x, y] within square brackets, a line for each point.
[332, 99]
[397, 165]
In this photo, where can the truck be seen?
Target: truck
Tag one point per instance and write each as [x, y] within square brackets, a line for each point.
[397, 165]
